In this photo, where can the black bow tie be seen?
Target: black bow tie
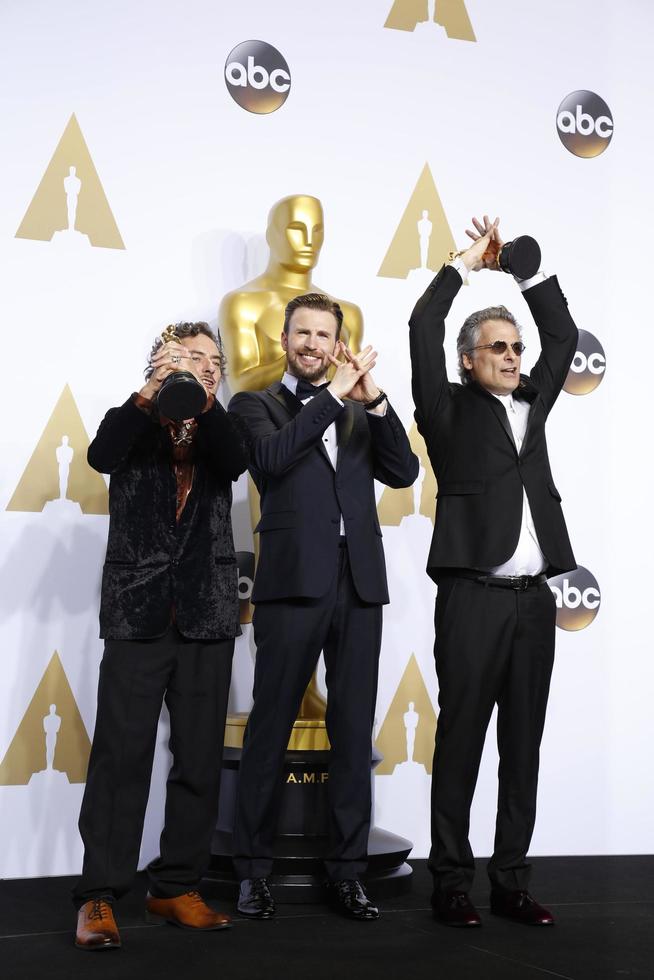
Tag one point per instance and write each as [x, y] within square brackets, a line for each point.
[306, 390]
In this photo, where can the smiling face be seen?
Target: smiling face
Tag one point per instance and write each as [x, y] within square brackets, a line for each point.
[206, 360]
[311, 337]
[497, 373]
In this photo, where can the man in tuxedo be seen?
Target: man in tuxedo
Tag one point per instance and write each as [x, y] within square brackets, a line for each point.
[168, 615]
[320, 584]
[499, 533]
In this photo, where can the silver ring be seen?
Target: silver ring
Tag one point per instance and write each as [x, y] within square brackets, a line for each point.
[175, 358]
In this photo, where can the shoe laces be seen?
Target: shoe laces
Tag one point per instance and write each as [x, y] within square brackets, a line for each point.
[100, 909]
[353, 889]
[195, 897]
[260, 887]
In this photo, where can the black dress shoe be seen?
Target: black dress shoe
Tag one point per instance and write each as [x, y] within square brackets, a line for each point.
[454, 908]
[520, 907]
[255, 900]
[349, 898]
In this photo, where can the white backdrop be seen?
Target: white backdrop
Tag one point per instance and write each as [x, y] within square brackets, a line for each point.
[189, 177]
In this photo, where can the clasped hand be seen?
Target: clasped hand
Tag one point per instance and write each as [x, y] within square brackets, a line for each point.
[352, 378]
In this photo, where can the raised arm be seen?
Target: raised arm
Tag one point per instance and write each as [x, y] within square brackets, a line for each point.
[429, 384]
[223, 440]
[119, 431]
[558, 338]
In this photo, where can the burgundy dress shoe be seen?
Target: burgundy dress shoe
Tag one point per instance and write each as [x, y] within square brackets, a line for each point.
[255, 900]
[349, 898]
[455, 909]
[188, 911]
[96, 926]
[520, 907]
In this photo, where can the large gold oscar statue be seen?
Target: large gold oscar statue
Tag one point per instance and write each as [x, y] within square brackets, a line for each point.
[250, 321]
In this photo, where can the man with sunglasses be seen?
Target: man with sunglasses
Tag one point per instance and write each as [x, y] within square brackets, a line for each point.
[499, 534]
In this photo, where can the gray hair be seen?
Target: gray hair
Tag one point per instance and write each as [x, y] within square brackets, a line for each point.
[471, 329]
[184, 329]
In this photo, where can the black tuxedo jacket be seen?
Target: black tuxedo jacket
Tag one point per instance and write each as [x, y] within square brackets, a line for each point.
[153, 562]
[479, 471]
[303, 497]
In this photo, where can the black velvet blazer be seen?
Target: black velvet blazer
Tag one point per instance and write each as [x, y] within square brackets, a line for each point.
[154, 563]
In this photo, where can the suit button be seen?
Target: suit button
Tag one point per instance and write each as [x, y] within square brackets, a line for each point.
[175, 562]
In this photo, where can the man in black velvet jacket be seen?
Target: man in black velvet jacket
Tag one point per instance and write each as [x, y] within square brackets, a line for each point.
[169, 615]
[499, 532]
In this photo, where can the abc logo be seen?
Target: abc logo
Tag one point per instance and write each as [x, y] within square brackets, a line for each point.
[584, 124]
[577, 597]
[588, 365]
[245, 565]
[257, 77]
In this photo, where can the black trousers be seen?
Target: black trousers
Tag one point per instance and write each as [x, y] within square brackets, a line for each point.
[193, 678]
[289, 636]
[493, 646]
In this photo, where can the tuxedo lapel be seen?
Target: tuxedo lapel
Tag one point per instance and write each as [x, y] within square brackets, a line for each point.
[291, 406]
[498, 411]
[528, 394]
[285, 398]
[344, 426]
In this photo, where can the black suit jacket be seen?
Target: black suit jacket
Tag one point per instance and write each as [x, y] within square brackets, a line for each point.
[154, 563]
[479, 470]
[303, 497]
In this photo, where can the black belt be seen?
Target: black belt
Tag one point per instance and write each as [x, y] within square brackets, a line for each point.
[519, 583]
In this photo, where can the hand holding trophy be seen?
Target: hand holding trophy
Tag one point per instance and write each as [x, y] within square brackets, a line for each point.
[519, 257]
[181, 395]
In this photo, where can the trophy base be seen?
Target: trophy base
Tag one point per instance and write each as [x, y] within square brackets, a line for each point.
[181, 396]
[521, 257]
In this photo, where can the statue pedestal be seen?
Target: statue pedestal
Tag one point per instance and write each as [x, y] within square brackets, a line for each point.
[298, 873]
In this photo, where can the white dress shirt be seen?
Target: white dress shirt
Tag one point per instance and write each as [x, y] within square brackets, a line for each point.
[527, 559]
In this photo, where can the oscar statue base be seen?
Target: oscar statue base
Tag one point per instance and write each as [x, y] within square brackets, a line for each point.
[298, 873]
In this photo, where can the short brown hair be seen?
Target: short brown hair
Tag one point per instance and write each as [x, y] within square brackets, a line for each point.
[184, 329]
[314, 301]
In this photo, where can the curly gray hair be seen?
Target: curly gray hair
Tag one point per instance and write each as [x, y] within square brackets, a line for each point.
[471, 329]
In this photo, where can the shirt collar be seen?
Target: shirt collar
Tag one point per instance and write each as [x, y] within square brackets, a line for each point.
[506, 400]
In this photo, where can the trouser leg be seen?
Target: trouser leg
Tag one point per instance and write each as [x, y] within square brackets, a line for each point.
[133, 677]
[522, 704]
[474, 632]
[351, 661]
[196, 697]
[289, 635]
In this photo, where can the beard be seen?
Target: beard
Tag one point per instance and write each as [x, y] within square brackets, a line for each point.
[304, 371]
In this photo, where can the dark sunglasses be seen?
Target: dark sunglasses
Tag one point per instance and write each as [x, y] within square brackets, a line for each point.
[500, 346]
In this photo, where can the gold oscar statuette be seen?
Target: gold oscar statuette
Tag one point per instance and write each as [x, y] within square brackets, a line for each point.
[181, 395]
[250, 320]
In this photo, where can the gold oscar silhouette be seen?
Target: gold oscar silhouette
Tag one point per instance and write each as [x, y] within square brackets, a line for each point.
[406, 738]
[51, 731]
[423, 237]
[405, 15]
[250, 321]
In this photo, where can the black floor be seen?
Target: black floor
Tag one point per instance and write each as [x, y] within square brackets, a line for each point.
[604, 909]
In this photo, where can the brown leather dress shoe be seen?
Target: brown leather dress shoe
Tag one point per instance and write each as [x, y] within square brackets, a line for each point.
[96, 926]
[520, 907]
[188, 911]
[454, 908]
